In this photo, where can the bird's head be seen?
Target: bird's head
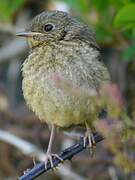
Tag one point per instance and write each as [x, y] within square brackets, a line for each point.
[54, 26]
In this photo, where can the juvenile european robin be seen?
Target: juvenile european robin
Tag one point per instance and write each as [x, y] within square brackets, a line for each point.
[62, 47]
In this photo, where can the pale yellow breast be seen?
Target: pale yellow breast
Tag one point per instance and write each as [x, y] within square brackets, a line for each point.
[51, 103]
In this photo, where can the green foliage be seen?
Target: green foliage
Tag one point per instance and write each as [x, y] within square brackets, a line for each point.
[125, 18]
[129, 53]
[113, 21]
[8, 8]
[81, 6]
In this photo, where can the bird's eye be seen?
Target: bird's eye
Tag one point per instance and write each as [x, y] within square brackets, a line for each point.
[48, 27]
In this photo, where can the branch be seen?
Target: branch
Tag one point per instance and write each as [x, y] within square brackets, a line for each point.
[67, 154]
[31, 150]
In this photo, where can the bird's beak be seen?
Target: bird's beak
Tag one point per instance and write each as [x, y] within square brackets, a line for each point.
[27, 34]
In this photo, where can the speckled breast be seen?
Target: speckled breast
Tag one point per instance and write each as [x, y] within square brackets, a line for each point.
[53, 77]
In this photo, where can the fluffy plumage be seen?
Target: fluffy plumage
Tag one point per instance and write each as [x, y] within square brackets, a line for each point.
[63, 52]
[70, 51]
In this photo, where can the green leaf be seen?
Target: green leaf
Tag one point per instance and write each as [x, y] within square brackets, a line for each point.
[125, 18]
[8, 8]
[129, 53]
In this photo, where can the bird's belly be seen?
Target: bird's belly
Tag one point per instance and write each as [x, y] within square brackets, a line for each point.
[55, 106]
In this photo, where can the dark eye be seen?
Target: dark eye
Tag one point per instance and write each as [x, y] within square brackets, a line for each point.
[48, 27]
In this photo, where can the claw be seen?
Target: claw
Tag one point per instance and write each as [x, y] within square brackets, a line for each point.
[91, 141]
[49, 158]
[88, 136]
[58, 157]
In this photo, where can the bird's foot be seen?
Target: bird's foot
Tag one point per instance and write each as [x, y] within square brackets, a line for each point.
[49, 158]
[91, 141]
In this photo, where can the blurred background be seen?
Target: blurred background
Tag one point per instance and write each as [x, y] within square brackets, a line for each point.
[114, 23]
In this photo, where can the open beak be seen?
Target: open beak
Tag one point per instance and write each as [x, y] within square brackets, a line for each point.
[27, 34]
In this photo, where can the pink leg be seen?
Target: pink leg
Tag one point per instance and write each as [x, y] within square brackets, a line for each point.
[49, 155]
[89, 136]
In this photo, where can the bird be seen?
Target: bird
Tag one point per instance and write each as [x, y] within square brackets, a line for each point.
[63, 68]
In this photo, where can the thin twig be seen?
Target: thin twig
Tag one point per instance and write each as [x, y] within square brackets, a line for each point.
[67, 154]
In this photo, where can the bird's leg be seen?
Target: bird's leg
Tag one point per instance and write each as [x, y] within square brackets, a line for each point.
[88, 135]
[49, 155]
